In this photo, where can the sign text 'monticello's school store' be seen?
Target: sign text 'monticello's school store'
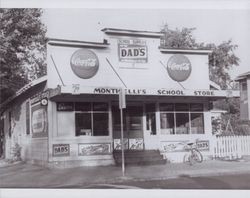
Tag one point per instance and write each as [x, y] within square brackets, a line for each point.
[71, 117]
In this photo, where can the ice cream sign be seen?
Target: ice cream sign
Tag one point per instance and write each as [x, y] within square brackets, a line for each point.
[84, 63]
[179, 67]
[132, 50]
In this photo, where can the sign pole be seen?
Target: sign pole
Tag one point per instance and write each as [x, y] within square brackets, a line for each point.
[122, 105]
[122, 144]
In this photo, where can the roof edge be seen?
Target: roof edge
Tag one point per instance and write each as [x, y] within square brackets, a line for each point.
[127, 32]
[186, 51]
[242, 76]
[65, 42]
[24, 89]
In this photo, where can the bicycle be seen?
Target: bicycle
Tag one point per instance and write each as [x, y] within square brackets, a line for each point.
[194, 155]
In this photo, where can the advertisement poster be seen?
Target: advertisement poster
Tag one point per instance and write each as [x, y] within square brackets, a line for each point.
[94, 149]
[39, 121]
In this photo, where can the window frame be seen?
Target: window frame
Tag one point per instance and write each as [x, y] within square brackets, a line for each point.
[92, 112]
[189, 112]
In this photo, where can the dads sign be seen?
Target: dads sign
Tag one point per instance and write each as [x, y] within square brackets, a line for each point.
[132, 50]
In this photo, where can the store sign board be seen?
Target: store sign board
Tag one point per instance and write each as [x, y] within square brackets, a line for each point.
[84, 63]
[179, 67]
[94, 149]
[61, 150]
[40, 97]
[65, 106]
[153, 92]
[132, 50]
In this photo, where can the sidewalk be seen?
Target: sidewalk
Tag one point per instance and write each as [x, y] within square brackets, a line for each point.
[29, 176]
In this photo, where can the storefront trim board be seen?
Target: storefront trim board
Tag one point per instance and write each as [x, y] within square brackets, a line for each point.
[79, 89]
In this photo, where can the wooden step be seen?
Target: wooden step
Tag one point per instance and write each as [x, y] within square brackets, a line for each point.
[139, 157]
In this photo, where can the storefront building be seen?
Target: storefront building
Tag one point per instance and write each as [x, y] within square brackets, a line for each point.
[75, 118]
[244, 81]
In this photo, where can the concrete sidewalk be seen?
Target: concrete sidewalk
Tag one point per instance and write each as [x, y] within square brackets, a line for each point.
[30, 176]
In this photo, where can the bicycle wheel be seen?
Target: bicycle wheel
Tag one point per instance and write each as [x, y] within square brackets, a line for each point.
[196, 156]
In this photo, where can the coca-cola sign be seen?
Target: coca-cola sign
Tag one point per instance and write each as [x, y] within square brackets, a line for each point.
[179, 67]
[84, 63]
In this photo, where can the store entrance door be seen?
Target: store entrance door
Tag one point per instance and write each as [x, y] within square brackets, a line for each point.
[132, 127]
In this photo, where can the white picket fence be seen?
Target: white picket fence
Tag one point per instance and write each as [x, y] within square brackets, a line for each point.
[231, 146]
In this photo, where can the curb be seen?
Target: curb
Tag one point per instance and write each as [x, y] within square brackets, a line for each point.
[7, 164]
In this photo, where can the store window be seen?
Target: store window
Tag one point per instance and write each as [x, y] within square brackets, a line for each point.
[167, 123]
[150, 118]
[182, 123]
[181, 118]
[91, 119]
[197, 125]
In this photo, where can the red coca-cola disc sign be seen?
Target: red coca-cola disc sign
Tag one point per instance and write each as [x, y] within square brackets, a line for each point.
[179, 67]
[84, 63]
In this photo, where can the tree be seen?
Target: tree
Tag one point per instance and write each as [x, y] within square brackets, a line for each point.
[221, 61]
[22, 49]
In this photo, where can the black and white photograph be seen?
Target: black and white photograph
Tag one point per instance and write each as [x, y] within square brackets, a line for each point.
[125, 95]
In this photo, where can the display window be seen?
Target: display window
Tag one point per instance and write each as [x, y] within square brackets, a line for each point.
[181, 118]
[91, 118]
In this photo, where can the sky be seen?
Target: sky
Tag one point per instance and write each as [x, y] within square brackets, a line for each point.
[212, 25]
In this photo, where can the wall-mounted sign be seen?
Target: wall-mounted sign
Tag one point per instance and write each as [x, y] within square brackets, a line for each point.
[181, 146]
[203, 145]
[136, 144]
[84, 63]
[65, 106]
[118, 145]
[179, 67]
[44, 102]
[94, 149]
[132, 51]
[39, 97]
[173, 146]
[61, 150]
[39, 121]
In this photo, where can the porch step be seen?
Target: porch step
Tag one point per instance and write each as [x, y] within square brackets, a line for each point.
[139, 157]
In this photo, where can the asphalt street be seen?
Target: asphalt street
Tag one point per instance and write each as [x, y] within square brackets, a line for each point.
[214, 174]
[239, 181]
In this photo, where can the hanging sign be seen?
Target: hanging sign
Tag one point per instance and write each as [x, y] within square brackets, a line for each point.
[122, 99]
